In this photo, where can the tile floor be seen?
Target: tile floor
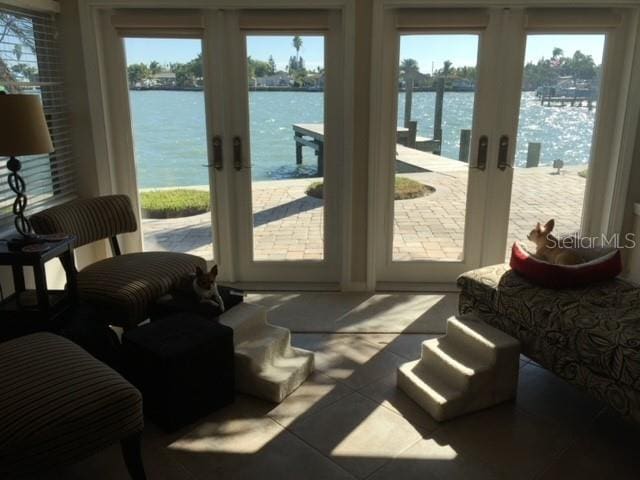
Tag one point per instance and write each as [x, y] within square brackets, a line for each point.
[348, 421]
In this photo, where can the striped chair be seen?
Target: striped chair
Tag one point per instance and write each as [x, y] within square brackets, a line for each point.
[124, 286]
[60, 405]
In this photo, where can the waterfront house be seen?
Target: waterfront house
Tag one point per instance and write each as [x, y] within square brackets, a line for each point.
[279, 79]
[162, 79]
[229, 271]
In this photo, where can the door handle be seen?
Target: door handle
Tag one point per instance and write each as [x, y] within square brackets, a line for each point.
[483, 146]
[217, 152]
[503, 151]
[237, 153]
[216, 143]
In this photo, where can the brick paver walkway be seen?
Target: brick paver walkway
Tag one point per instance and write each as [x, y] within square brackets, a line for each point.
[288, 223]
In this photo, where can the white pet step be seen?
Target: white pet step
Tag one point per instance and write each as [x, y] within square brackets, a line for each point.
[266, 366]
[472, 367]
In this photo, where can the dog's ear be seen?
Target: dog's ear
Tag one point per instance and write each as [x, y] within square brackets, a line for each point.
[548, 227]
[214, 270]
[199, 271]
[538, 227]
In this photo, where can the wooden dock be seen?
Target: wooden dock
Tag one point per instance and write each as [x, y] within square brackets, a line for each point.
[408, 160]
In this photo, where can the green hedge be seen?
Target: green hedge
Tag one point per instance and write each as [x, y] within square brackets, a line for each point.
[174, 203]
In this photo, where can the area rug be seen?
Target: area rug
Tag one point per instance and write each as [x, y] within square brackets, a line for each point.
[359, 312]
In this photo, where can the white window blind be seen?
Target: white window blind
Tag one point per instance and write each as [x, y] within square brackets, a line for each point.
[30, 63]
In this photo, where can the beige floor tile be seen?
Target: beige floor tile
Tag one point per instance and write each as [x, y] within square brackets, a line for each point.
[608, 450]
[542, 393]
[284, 457]
[316, 393]
[408, 346]
[355, 361]
[324, 430]
[386, 393]
[108, 465]
[308, 341]
[216, 447]
[359, 312]
[358, 434]
[515, 444]
[428, 460]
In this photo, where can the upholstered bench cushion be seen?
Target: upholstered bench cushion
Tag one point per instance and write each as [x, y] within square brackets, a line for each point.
[59, 404]
[597, 326]
[128, 285]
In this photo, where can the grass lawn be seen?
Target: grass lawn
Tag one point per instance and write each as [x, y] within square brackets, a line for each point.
[405, 189]
[173, 203]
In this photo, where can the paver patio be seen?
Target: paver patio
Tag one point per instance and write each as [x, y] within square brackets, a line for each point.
[288, 224]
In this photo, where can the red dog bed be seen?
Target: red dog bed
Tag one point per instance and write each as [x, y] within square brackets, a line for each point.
[600, 264]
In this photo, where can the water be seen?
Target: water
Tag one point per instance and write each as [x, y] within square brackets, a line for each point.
[171, 143]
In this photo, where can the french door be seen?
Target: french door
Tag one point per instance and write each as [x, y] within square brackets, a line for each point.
[286, 145]
[265, 132]
[478, 145]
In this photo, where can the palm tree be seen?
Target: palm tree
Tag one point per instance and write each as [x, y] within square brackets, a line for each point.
[409, 69]
[446, 70]
[22, 29]
[155, 67]
[297, 44]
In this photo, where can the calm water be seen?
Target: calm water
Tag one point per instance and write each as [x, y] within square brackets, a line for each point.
[170, 137]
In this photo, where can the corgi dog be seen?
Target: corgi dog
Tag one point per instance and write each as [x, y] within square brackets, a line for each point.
[548, 247]
[206, 288]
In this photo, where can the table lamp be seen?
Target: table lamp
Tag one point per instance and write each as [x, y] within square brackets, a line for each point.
[23, 131]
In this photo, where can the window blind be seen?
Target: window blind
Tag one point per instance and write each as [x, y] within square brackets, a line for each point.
[30, 63]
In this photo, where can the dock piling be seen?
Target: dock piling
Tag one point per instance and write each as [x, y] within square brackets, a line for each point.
[465, 142]
[533, 154]
[437, 124]
[408, 100]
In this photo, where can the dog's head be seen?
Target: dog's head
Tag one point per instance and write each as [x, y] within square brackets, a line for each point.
[539, 234]
[206, 280]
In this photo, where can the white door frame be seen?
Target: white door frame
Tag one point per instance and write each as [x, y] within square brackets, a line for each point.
[617, 126]
[605, 162]
[109, 106]
[326, 271]
[383, 149]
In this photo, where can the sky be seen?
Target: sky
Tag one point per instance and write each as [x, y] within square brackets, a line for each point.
[429, 50]
[182, 50]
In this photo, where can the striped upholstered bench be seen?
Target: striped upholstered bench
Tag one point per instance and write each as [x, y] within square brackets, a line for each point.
[59, 405]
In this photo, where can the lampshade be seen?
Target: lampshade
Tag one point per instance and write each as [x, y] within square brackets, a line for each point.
[23, 128]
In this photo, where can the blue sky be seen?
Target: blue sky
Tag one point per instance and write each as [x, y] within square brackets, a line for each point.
[182, 50]
[428, 50]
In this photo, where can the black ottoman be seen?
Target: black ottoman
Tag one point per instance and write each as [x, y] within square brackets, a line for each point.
[183, 365]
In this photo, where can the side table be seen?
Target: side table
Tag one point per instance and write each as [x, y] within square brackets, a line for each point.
[40, 303]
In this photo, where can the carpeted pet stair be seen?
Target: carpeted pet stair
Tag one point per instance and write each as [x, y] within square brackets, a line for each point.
[472, 367]
[266, 364]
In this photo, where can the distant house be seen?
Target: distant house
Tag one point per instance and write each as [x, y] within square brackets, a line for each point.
[419, 79]
[314, 80]
[276, 80]
[162, 79]
[463, 85]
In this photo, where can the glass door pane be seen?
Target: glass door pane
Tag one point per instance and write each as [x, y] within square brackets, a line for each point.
[436, 99]
[169, 131]
[558, 108]
[286, 77]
